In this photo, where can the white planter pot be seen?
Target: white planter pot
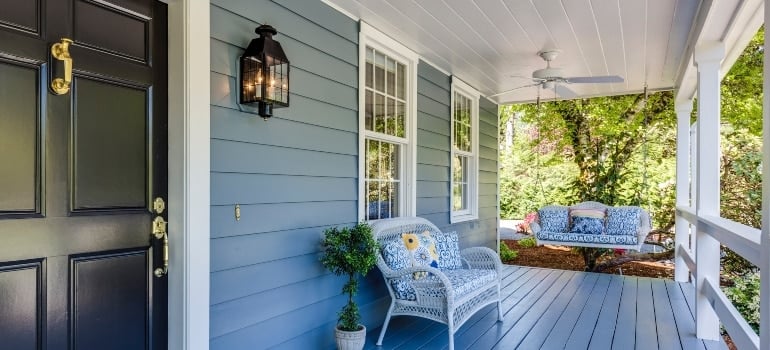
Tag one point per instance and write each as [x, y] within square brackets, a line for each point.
[350, 340]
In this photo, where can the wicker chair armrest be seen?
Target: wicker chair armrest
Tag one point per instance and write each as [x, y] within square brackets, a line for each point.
[482, 258]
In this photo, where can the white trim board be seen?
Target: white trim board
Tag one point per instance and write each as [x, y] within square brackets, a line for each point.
[189, 74]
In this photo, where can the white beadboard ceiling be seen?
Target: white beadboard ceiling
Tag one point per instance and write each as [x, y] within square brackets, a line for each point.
[493, 44]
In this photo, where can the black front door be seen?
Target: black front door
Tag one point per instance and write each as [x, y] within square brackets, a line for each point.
[80, 171]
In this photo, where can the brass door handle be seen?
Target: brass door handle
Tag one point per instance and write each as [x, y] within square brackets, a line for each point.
[61, 52]
[159, 232]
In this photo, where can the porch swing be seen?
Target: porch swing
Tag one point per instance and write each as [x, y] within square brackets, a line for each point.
[593, 224]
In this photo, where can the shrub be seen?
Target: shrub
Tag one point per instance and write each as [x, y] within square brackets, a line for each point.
[507, 254]
[349, 252]
[527, 242]
[745, 296]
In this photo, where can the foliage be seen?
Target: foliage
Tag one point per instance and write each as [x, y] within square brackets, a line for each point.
[745, 296]
[349, 252]
[507, 254]
[527, 242]
[528, 220]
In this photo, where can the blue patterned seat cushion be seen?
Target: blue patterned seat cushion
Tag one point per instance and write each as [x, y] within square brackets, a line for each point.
[587, 221]
[588, 238]
[623, 220]
[463, 281]
[554, 218]
[447, 245]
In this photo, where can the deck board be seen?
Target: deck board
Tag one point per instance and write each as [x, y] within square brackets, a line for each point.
[579, 338]
[604, 330]
[558, 336]
[540, 308]
[646, 331]
[555, 309]
[625, 328]
[668, 339]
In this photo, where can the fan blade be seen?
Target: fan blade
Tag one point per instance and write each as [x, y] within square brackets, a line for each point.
[597, 79]
[512, 90]
[564, 91]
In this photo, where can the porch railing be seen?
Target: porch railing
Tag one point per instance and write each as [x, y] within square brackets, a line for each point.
[743, 240]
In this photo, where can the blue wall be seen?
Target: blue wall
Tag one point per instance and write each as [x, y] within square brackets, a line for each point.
[434, 157]
[296, 174]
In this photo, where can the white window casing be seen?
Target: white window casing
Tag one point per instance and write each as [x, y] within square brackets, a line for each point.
[374, 41]
[462, 92]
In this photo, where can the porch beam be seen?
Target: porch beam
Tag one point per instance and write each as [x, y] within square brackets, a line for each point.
[764, 267]
[708, 58]
[682, 239]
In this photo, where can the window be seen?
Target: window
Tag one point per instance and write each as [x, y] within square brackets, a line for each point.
[386, 127]
[465, 149]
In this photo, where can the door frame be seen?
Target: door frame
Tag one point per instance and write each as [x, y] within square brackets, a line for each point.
[189, 73]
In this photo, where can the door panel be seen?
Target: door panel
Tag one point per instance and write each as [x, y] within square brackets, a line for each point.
[78, 173]
[21, 299]
[131, 26]
[23, 15]
[110, 146]
[19, 115]
[110, 313]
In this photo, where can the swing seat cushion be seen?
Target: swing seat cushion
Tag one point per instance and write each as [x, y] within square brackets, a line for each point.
[623, 221]
[572, 237]
[554, 218]
[587, 221]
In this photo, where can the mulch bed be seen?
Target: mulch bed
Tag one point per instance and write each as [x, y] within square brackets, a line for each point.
[562, 258]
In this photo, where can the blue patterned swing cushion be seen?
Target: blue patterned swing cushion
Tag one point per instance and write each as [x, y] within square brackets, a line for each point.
[587, 221]
[623, 220]
[554, 218]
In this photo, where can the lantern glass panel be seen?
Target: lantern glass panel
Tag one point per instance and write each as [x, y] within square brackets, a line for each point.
[252, 80]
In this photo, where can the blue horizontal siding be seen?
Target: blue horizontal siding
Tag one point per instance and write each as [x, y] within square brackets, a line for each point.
[433, 158]
[296, 174]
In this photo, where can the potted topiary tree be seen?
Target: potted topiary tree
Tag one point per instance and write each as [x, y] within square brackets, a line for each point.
[349, 252]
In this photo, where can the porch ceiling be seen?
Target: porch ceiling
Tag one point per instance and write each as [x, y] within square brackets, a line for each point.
[493, 44]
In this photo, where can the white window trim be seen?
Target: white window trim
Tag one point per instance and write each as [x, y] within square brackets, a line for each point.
[369, 36]
[472, 213]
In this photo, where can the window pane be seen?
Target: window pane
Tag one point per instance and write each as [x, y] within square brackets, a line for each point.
[372, 162]
[400, 117]
[457, 198]
[369, 66]
[457, 169]
[390, 77]
[390, 122]
[379, 72]
[379, 113]
[395, 164]
[369, 110]
[382, 179]
[400, 81]
[393, 199]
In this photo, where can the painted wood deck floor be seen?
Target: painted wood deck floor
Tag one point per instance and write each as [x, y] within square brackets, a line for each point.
[556, 309]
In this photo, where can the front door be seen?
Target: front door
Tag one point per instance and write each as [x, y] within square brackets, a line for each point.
[80, 171]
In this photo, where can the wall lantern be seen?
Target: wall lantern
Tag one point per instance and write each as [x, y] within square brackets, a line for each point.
[264, 73]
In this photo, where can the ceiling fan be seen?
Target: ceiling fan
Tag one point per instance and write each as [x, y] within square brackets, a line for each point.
[553, 78]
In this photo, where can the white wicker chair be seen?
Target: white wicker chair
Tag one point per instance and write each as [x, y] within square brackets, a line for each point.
[445, 296]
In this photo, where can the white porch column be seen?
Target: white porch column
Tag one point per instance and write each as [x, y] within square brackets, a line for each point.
[708, 58]
[764, 268]
[683, 111]
[189, 203]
